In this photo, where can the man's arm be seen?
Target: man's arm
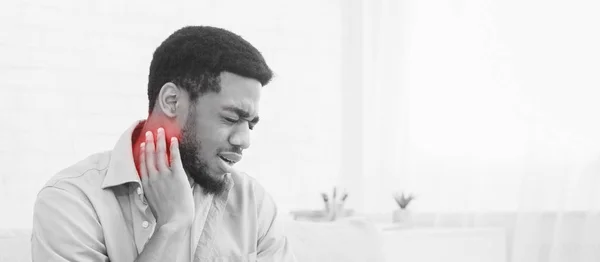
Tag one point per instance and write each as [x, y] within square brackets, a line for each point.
[169, 197]
[65, 228]
[273, 244]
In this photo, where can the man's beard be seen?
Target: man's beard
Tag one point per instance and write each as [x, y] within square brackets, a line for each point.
[194, 166]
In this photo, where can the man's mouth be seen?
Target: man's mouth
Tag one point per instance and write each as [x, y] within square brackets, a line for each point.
[230, 158]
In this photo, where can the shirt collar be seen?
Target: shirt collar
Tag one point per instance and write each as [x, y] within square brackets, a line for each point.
[121, 167]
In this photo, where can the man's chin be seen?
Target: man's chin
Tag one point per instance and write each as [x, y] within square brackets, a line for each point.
[211, 183]
[222, 167]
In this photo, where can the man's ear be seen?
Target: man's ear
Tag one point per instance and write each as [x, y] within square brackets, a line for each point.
[168, 99]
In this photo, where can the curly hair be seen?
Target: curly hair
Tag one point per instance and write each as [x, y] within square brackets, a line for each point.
[193, 57]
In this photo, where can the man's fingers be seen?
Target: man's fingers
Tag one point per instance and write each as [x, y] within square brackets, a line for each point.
[175, 156]
[150, 155]
[161, 151]
[143, 169]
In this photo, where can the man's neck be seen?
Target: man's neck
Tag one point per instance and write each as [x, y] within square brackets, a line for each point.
[152, 123]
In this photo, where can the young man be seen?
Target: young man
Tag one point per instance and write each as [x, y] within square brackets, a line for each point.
[167, 191]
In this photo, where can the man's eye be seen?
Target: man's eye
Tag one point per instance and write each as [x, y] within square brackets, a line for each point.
[231, 120]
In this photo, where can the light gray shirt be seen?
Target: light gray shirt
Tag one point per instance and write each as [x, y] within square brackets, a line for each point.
[95, 210]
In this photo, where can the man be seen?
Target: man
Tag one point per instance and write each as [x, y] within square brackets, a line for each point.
[167, 191]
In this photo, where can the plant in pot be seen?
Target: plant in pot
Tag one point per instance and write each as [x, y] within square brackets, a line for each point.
[402, 214]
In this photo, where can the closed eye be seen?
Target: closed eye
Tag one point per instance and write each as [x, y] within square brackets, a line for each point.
[231, 120]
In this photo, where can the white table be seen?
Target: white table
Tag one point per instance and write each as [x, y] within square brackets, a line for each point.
[444, 244]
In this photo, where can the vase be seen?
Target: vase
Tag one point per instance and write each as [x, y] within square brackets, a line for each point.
[402, 216]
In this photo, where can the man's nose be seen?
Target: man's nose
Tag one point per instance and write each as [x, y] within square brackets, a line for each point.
[241, 136]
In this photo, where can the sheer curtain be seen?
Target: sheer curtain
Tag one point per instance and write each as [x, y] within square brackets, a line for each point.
[486, 111]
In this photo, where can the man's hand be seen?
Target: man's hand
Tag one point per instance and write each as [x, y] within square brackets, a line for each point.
[165, 184]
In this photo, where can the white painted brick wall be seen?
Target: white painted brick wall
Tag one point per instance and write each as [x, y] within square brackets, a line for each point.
[73, 76]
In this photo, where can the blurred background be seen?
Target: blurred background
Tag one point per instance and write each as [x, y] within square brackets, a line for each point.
[486, 110]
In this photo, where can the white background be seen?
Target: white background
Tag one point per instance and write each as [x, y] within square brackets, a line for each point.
[74, 77]
[473, 105]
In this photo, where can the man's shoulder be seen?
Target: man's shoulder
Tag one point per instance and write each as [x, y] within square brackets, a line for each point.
[247, 190]
[83, 176]
[246, 183]
[250, 196]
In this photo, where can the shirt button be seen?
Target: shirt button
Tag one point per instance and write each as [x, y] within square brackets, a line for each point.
[139, 190]
[145, 224]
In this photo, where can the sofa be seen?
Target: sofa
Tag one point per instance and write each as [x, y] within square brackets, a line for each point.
[348, 240]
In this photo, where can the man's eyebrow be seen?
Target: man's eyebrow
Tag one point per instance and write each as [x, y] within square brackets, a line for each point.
[241, 113]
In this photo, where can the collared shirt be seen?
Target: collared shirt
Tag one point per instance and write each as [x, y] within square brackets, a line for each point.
[95, 210]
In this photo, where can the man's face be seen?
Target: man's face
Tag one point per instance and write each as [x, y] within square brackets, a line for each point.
[217, 130]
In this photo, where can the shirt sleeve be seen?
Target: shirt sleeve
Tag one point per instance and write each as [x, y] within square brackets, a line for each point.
[273, 244]
[65, 228]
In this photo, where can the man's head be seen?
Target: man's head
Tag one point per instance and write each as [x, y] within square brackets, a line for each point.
[206, 82]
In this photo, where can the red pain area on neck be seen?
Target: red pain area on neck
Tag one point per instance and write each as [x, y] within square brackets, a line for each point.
[152, 124]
